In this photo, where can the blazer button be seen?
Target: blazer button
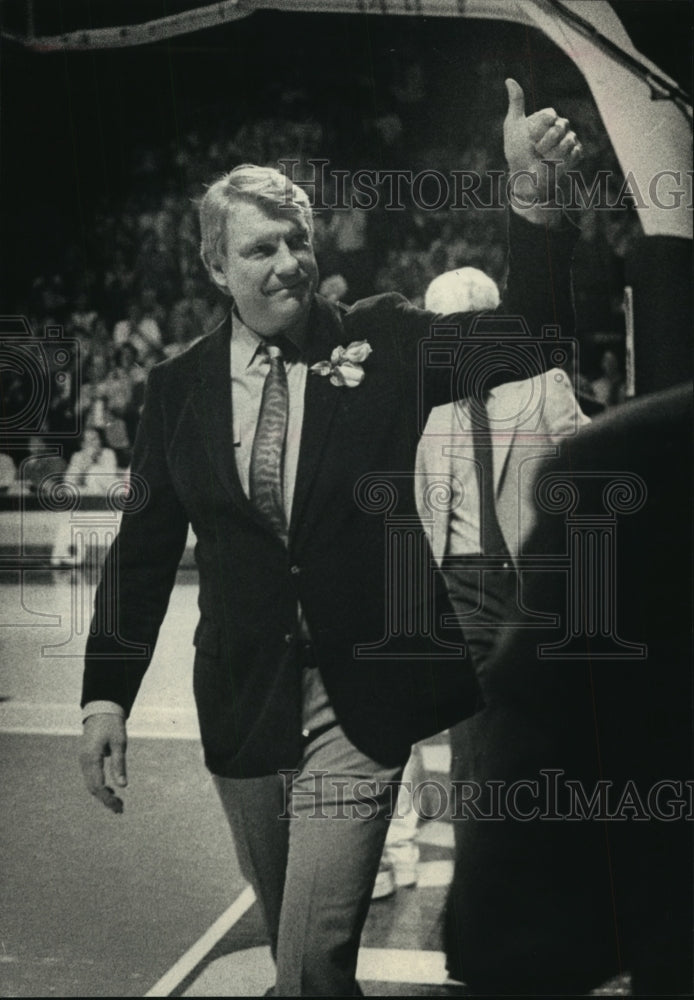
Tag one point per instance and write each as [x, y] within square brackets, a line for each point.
[288, 638]
[295, 570]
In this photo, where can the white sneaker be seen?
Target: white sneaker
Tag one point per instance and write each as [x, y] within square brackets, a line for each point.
[384, 885]
[405, 873]
[403, 857]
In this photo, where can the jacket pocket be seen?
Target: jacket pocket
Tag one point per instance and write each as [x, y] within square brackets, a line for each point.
[206, 638]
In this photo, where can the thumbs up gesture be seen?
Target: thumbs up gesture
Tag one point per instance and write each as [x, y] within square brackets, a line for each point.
[542, 136]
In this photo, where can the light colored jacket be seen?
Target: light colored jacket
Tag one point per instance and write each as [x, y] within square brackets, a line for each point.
[528, 420]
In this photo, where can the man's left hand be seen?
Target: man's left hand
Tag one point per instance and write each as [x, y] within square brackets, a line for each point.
[542, 136]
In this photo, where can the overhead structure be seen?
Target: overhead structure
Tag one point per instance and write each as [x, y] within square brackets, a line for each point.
[646, 114]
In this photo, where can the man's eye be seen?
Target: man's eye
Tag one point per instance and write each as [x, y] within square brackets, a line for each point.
[300, 243]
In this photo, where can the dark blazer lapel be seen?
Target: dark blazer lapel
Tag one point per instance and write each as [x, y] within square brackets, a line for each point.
[212, 405]
[325, 332]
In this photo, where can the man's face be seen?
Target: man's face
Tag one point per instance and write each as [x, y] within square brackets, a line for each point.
[270, 268]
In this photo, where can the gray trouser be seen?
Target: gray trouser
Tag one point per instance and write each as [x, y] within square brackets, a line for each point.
[309, 842]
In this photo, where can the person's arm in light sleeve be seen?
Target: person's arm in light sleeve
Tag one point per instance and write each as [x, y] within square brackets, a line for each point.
[563, 415]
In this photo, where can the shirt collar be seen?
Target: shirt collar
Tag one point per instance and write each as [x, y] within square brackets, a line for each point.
[246, 342]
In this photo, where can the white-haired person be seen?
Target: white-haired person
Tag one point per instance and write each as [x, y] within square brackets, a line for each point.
[446, 457]
[467, 285]
[484, 455]
[270, 438]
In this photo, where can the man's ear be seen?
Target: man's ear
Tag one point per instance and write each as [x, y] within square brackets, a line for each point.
[219, 277]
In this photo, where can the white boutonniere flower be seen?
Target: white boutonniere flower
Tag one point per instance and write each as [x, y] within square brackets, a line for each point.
[345, 365]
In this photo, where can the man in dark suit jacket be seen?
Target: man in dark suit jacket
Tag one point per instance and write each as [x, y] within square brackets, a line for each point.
[317, 651]
[587, 872]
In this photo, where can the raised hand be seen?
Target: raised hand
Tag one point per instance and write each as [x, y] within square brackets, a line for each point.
[542, 136]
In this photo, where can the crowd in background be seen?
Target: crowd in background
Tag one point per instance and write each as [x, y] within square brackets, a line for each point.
[133, 291]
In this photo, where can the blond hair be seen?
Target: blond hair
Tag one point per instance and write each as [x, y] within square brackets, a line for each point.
[270, 188]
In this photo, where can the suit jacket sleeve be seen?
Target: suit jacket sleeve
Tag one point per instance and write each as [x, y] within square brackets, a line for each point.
[146, 554]
[539, 274]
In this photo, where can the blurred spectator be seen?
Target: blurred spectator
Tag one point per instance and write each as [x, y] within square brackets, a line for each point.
[43, 469]
[141, 331]
[152, 308]
[609, 388]
[92, 469]
[62, 413]
[190, 318]
[405, 271]
[8, 472]
[86, 346]
[91, 405]
[100, 337]
[587, 399]
[106, 399]
[180, 343]
[334, 288]
[92, 472]
[83, 315]
[128, 370]
[125, 392]
[349, 229]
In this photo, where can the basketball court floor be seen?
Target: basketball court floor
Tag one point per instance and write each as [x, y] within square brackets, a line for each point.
[151, 902]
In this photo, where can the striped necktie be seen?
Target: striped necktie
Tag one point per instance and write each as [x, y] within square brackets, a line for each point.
[267, 455]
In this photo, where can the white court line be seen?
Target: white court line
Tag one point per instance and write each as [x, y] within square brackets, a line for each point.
[249, 971]
[186, 963]
[392, 965]
[399, 965]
